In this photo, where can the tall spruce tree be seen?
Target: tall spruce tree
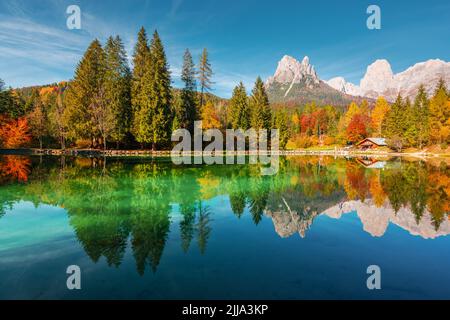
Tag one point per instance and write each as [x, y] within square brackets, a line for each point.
[240, 112]
[157, 78]
[188, 112]
[390, 127]
[139, 98]
[88, 81]
[11, 105]
[410, 130]
[421, 117]
[280, 122]
[261, 114]
[117, 88]
[204, 75]
[393, 126]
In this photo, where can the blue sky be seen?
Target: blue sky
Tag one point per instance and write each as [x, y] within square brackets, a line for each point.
[245, 38]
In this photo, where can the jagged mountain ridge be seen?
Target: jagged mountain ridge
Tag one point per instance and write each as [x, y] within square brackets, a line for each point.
[375, 220]
[380, 80]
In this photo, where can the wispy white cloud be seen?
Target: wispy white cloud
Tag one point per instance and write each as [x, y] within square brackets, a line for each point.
[26, 45]
[176, 4]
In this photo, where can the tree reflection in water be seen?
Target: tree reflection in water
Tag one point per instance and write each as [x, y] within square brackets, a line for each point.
[115, 203]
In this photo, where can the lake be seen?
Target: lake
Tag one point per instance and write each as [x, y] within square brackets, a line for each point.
[148, 229]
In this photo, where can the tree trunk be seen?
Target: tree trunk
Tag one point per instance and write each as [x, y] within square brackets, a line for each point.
[201, 98]
[117, 145]
[153, 147]
[104, 143]
[63, 162]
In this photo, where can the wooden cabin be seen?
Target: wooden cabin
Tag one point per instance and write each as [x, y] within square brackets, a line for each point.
[371, 143]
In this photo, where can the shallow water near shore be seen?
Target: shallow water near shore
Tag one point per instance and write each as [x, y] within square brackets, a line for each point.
[149, 229]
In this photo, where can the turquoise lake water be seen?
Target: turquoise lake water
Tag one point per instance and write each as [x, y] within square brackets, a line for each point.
[149, 229]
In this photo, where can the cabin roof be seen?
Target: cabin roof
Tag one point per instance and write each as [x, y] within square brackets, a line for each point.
[377, 141]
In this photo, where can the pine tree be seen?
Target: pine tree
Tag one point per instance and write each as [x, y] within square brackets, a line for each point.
[441, 86]
[204, 75]
[261, 114]
[411, 129]
[152, 116]
[117, 88]
[188, 112]
[280, 122]
[157, 77]
[82, 90]
[393, 126]
[421, 117]
[240, 113]
[10, 104]
[139, 98]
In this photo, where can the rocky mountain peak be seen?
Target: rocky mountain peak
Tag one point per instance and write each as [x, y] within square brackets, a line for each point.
[378, 78]
[343, 86]
[305, 61]
[290, 70]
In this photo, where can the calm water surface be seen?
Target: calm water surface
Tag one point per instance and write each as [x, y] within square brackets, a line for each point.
[148, 229]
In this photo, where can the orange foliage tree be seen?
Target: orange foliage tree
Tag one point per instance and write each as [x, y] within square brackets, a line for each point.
[210, 117]
[15, 168]
[356, 130]
[14, 133]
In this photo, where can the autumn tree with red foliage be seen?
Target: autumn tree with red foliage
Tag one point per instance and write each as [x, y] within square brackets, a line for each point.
[14, 133]
[357, 130]
[15, 168]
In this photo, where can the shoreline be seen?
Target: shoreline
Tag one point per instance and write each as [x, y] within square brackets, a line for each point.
[167, 153]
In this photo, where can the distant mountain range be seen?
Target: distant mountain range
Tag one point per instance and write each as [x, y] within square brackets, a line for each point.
[380, 80]
[298, 83]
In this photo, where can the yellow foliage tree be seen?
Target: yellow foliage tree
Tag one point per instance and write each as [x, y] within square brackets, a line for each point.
[376, 190]
[210, 117]
[439, 117]
[345, 120]
[352, 110]
[381, 109]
